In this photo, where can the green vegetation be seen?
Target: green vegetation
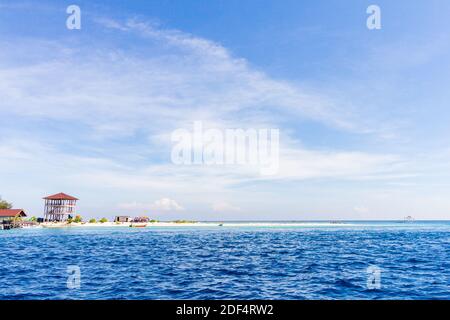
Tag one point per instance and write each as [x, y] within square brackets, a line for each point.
[33, 219]
[103, 220]
[70, 220]
[78, 219]
[154, 221]
[184, 221]
[5, 205]
[92, 220]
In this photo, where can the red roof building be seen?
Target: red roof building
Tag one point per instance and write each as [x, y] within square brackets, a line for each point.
[6, 214]
[59, 207]
[60, 196]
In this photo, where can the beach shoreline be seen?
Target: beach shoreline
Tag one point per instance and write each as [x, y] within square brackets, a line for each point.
[196, 224]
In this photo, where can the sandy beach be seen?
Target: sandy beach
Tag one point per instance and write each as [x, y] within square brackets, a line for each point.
[193, 224]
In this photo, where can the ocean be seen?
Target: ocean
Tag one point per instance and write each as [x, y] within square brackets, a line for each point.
[354, 260]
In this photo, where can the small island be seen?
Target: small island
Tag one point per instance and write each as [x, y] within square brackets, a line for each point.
[60, 212]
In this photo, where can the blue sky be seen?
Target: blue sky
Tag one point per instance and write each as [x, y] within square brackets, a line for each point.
[363, 114]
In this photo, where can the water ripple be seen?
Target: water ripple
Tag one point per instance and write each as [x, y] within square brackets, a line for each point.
[226, 263]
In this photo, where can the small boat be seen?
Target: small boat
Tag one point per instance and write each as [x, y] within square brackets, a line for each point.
[138, 225]
[139, 222]
[55, 225]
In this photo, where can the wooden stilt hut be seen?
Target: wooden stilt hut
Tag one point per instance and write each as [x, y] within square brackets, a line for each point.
[59, 207]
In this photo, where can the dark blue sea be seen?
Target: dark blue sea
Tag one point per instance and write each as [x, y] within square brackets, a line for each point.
[411, 261]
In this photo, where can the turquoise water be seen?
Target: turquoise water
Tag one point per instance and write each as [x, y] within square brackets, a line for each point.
[325, 262]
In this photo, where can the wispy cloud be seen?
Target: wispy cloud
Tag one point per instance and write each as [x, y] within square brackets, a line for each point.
[120, 91]
[224, 206]
[109, 95]
[163, 204]
[102, 116]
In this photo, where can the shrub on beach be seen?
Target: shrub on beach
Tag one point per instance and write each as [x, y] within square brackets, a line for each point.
[103, 220]
[184, 221]
[78, 219]
[70, 220]
[92, 221]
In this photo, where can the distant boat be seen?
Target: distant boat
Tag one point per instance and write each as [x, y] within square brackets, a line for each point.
[139, 222]
[138, 225]
[408, 219]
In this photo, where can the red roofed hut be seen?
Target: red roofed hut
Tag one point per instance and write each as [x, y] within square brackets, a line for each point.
[9, 214]
[59, 207]
[9, 217]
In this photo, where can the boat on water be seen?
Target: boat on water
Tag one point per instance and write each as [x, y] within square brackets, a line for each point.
[55, 225]
[139, 222]
[138, 225]
[29, 226]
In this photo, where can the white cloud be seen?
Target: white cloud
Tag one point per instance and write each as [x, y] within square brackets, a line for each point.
[120, 92]
[106, 94]
[301, 164]
[361, 209]
[134, 206]
[166, 204]
[163, 204]
[224, 206]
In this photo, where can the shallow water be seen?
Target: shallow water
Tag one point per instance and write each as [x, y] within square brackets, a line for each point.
[229, 262]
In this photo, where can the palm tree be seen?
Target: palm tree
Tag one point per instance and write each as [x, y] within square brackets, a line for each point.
[4, 204]
[16, 220]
